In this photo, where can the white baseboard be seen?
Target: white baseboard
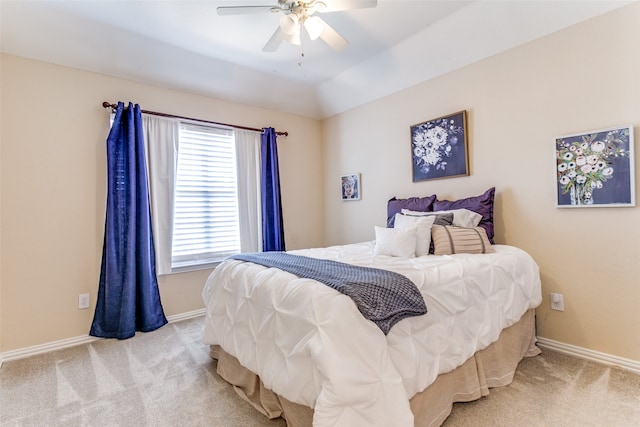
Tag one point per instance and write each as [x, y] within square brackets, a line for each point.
[187, 315]
[595, 356]
[584, 353]
[83, 339]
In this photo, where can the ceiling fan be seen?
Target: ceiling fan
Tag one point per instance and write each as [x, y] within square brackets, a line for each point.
[298, 18]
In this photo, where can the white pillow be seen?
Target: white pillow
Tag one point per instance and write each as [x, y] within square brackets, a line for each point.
[461, 217]
[400, 242]
[422, 224]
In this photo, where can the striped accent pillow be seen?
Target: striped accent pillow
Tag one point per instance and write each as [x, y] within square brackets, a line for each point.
[449, 239]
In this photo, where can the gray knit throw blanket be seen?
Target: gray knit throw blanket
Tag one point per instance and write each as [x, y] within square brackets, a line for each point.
[382, 296]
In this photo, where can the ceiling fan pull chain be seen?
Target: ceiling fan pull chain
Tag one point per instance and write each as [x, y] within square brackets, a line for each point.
[301, 44]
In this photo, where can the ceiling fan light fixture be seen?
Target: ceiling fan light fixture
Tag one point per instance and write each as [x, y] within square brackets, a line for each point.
[290, 24]
[314, 27]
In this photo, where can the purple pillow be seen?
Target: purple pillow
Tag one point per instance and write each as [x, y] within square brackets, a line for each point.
[482, 204]
[419, 204]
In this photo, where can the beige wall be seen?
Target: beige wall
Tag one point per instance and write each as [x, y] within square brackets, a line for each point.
[53, 182]
[583, 78]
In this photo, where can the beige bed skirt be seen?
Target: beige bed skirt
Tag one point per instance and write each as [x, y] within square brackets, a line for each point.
[494, 366]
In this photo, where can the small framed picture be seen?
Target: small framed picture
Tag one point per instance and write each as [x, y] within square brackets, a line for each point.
[350, 186]
[439, 147]
[595, 169]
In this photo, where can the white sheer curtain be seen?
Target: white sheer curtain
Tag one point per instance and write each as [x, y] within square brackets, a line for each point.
[161, 137]
[249, 199]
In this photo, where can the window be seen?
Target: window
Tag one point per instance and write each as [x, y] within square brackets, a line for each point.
[206, 227]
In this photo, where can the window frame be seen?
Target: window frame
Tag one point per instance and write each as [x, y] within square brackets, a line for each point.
[219, 135]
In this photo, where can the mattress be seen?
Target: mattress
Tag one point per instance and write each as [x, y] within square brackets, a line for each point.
[309, 344]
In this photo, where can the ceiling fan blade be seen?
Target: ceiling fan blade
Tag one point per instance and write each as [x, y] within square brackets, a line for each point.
[332, 38]
[338, 5]
[245, 10]
[274, 42]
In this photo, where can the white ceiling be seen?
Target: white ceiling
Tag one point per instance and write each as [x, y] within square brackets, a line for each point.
[185, 45]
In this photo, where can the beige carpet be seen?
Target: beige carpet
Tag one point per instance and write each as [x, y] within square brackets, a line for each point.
[166, 378]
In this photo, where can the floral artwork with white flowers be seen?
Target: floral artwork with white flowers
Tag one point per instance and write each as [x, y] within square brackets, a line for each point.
[439, 147]
[595, 168]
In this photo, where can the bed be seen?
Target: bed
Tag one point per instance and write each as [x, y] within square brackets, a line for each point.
[296, 348]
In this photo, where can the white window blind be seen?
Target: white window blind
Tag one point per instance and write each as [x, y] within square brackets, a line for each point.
[206, 227]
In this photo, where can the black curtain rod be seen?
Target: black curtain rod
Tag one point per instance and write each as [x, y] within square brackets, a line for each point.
[106, 104]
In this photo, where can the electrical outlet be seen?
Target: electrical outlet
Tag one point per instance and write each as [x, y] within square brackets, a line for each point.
[83, 301]
[557, 301]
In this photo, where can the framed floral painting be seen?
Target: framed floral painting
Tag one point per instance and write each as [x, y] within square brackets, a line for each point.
[350, 186]
[595, 169]
[439, 147]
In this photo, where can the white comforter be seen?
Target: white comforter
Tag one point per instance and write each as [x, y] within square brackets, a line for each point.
[310, 344]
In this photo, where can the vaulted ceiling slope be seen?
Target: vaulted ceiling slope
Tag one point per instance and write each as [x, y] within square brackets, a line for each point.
[186, 45]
